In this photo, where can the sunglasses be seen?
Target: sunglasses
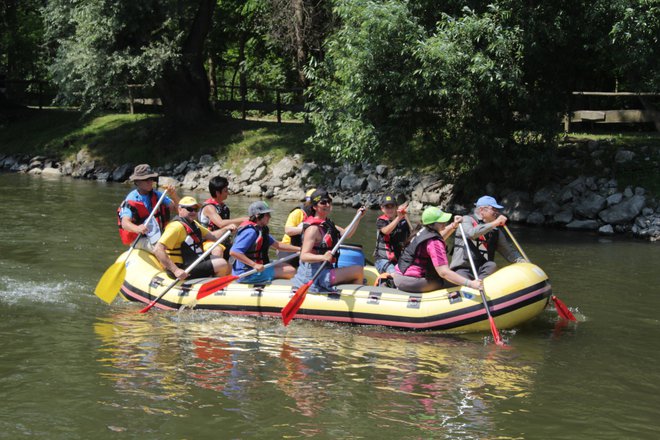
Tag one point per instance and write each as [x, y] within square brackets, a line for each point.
[325, 202]
[389, 205]
[191, 208]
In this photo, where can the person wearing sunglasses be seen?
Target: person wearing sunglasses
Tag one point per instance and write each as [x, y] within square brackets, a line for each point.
[485, 237]
[182, 243]
[393, 231]
[320, 235]
[138, 204]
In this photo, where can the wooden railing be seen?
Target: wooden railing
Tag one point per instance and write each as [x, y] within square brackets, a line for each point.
[596, 112]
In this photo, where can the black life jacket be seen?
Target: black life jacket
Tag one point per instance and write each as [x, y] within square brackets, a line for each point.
[296, 240]
[410, 253]
[484, 247]
[222, 210]
[191, 248]
[329, 232]
[258, 252]
[390, 246]
[139, 214]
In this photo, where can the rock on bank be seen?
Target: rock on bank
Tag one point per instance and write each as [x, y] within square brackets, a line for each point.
[584, 203]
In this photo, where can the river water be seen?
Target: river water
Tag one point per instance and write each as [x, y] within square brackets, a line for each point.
[72, 367]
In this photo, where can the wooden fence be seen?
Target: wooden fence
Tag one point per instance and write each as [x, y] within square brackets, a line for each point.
[595, 108]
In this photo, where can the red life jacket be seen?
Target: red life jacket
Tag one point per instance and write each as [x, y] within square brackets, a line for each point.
[222, 210]
[390, 245]
[329, 232]
[139, 214]
[258, 252]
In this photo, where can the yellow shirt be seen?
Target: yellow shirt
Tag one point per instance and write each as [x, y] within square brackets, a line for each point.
[173, 235]
[294, 219]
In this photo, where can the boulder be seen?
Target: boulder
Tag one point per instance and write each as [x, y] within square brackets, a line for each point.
[591, 205]
[624, 212]
[284, 168]
[606, 230]
[536, 218]
[122, 172]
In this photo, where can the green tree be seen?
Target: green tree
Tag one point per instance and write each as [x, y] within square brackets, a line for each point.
[105, 45]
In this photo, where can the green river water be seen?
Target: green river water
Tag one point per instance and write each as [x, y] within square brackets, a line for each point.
[72, 367]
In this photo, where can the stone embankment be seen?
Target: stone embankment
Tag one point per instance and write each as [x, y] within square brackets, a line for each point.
[584, 203]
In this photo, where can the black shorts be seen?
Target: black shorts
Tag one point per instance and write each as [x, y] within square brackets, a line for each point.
[202, 270]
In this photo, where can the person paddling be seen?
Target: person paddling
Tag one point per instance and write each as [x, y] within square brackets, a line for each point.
[423, 265]
[181, 244]
[393, 231]
[250, 249]
[485, 237]
[215, 214]
[319, 237]
[138, 204]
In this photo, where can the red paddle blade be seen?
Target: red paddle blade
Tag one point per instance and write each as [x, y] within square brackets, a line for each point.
[495, 332]
[213, 286]
[562, 310]
[150, 305]
[291, 308]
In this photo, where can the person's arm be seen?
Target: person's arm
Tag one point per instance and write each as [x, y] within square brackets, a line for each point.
[505, 249]
[173, 198]
[391, 226]
[311, 235]
[128, 225]
[474, 232]
[445, 272]
[294, 223]
[161, 254]
[285, 247]
[215, 235]
[243, 242]
[213, 216]
[450, 229]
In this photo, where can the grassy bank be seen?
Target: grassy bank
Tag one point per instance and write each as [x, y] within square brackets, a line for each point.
[119, 138]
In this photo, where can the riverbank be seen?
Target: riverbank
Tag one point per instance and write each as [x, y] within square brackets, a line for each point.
[605, 185]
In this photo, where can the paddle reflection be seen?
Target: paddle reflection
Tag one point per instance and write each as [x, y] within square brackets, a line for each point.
[312, 377]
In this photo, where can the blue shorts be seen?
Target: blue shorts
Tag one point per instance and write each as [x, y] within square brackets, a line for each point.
[384, 265]
[263, 277]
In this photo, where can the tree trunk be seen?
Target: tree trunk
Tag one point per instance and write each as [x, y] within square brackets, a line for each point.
[184, 87]
[299, 32]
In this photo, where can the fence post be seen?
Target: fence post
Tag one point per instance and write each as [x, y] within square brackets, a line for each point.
[131, 110]
[40, 92]
[279, 107]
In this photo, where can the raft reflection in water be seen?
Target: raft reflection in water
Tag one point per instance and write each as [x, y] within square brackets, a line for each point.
[314, 381]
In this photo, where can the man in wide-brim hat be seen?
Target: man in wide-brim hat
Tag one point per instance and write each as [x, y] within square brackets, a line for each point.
[138, 204]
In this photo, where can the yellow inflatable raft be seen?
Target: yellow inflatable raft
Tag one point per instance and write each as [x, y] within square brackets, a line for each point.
[516, 293]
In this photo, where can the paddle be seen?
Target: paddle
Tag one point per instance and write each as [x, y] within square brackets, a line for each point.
[561, 308]
[493, 327]
[292, 307]
[187, 270]
[111, 281]
[213, 286]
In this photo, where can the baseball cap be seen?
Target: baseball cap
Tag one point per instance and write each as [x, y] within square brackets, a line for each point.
[388, 199]
[188, 201]
[142, 172]
[488, 201]
[308, 195]
[258, 208]
[320, 194]
[433, 214]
